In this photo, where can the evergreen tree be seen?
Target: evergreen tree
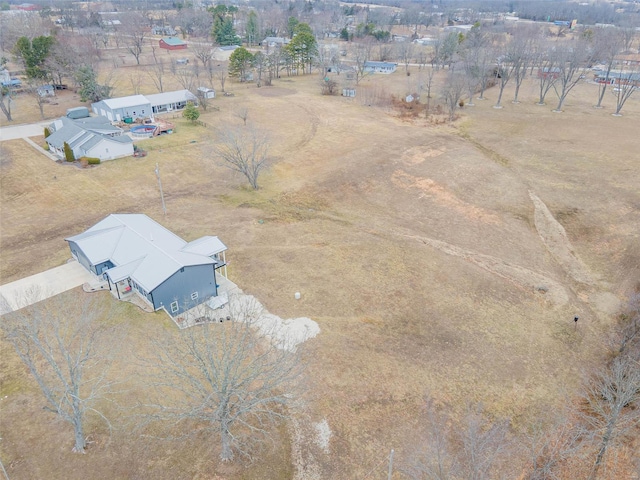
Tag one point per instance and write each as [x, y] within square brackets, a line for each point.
[191, 112]
[252, 28]
[303, 48]
[223, 31]
[68, 153]
[90, 89]
[33, 54]
[240, 61]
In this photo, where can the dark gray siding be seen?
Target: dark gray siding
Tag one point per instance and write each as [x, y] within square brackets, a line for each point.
[103, 267]
[79, 254]
[182, 284]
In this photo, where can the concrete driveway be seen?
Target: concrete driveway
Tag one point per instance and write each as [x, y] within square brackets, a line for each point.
[41, 286]
[23, 131]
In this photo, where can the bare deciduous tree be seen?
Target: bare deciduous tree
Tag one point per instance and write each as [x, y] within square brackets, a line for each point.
[521, 55]
[361, 56]
[609, 43]
[220, 72]
[425, 83]
[433, 458]
[612, 399]
[157, 73]
[243, 114]
[68, 348]
[405, 53]
[5, 96]
[548, 448]
[625, 88]
[243, 150]
[202, 52]
[470, 451]
[452, 92]
[482, 444]
[187, 76]
[225, 379]
[571, 64]
[548, 72]
[35, 90]
[134, 29]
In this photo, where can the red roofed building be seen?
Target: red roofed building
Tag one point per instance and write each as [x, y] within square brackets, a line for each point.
[173, 43]
[27, 7]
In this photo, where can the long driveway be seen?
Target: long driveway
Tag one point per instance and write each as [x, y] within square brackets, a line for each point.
[23, 131]
[30, 290]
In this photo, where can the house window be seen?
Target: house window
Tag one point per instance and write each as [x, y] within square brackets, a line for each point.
[194, 296]
[182, 270]
[174, 307]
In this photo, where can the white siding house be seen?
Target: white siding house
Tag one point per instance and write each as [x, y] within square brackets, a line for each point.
[380, 67]
[91, 137]
[170, 101]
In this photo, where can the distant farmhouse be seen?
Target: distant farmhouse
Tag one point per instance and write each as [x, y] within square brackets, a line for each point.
[275, 42]
[223, 53]
[142, 106]
[380, 67]
[138, 256]
[26, 7]
[616, 77]
[173, 43]
[546, 72]
[163, 30]
[89, 137]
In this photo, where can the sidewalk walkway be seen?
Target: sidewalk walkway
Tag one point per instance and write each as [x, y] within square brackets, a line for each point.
[41, 150]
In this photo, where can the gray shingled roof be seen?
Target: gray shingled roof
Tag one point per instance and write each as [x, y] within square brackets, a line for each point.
[142, 249]
[85, 132]
[64, 134]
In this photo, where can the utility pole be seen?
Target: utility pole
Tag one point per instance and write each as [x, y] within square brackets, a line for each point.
[391, 464]
[164, 208]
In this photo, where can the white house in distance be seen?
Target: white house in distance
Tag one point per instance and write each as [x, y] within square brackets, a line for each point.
[142, 106]
[380, 67]
[89, 137]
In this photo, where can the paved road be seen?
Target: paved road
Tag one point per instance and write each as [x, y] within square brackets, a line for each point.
[23, 131]
[41, 286]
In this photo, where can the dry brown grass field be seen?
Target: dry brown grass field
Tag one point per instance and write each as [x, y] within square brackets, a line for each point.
[421, 250]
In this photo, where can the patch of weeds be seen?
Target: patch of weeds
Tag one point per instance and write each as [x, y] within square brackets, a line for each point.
[286, 207]
[486, 151]
[567, 333]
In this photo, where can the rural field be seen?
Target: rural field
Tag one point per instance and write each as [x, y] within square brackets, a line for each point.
[442, 261]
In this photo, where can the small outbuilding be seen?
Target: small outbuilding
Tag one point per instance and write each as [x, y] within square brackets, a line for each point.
[173, 43]
[205, 92]
[46, 91]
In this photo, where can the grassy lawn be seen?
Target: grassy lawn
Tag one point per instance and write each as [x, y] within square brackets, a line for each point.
[402, 237]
